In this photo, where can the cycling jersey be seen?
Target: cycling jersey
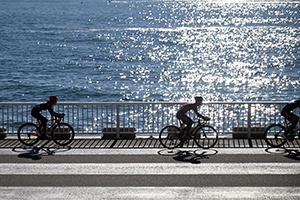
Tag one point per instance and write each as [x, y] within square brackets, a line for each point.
[289, 107]
[44, 106]
[186, 107]
[293, 104]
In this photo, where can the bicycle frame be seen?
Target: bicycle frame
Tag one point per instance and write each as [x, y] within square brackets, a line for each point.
[193, 130]
[287, 125]
[55, 120]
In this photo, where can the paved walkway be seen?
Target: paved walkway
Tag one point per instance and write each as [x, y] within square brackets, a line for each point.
[96, 143]
[95, 168]
[108, 169]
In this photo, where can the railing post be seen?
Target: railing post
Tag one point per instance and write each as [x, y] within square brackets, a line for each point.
[118, 122]
[249, 121]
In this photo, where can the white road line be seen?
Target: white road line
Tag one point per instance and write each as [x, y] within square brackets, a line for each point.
[149, 169]
[144, 193]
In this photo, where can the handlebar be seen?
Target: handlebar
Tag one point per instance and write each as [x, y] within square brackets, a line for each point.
[202, 121]
[59, 118]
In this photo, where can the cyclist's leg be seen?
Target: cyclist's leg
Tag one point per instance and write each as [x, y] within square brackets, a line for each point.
[44, 121]
[294, 122]
[291, 117]
[188, 121]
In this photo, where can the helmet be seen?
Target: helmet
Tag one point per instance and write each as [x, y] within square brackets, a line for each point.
[200, 99]
[53, 98]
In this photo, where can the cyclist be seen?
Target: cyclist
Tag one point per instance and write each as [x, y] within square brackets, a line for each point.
[287, 113]
[181, 113]
[45, 106]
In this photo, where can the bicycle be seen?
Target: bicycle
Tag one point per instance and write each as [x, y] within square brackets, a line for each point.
[204, 135]
[61, 133]
[276, 135]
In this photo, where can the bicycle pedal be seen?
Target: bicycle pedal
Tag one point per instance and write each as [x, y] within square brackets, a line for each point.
[48, 136]
[290, 138]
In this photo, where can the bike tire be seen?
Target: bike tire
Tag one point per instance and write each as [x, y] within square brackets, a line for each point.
[274, 135]
[169, 137]
[27, 134]
[206, 136]
[62, 134]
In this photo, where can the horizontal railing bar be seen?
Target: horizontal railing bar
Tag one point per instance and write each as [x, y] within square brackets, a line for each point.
[146, 103]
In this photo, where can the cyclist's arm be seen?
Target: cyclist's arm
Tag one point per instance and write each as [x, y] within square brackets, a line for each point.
[201, 116]
[55, 114]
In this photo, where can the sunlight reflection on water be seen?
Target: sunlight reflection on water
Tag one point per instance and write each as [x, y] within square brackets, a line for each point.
[152, 51]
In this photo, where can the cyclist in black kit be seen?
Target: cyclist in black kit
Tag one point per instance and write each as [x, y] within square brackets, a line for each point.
[45, 106]
[181, 113]
[287, 113]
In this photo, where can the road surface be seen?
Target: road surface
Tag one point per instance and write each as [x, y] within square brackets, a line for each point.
[219, 173]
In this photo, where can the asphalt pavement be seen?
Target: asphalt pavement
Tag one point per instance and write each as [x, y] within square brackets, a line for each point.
[141, 169]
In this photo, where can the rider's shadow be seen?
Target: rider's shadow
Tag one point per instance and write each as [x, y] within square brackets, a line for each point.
[36, 153]
[187, 156]
[32, 154]
[288, 153]
[293, 154]
[193, 157]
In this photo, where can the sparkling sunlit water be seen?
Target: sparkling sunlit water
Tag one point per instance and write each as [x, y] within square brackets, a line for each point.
[150, 50]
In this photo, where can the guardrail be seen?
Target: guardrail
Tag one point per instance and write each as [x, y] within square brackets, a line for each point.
[146, 118]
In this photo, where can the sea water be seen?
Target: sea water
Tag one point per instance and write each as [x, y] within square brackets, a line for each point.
[149, 50]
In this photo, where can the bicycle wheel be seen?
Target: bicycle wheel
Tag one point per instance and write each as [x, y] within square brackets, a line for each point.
[169, 137]
[27, 134]
[206, 136]
[275, 135]
[62, 135]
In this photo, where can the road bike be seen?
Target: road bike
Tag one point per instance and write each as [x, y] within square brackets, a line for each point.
[276, 135]
[203, 134]
[61, 133]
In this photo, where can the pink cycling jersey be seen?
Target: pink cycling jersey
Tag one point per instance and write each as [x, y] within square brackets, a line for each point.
[185, 108]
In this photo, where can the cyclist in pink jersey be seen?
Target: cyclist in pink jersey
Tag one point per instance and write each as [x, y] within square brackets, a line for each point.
[181, 113]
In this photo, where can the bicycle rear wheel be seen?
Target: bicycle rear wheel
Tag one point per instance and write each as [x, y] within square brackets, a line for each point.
[27, 134]
[275, 135]
[62, 134]
[169, 137]
[206, 136]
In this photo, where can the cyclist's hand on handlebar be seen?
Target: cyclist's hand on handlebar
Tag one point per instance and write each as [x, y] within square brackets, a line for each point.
[61, 116]
[206, 118]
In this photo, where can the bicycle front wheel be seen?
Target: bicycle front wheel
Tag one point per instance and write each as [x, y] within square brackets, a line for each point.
[206, 136]
[274, 135]
[62, 134]
[27, 134]
[169, 137]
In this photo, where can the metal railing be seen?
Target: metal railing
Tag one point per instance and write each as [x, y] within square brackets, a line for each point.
[146, 118]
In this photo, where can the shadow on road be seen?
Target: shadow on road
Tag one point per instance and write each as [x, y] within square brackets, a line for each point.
[191, 156]
[36, 153]
[288, 153]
